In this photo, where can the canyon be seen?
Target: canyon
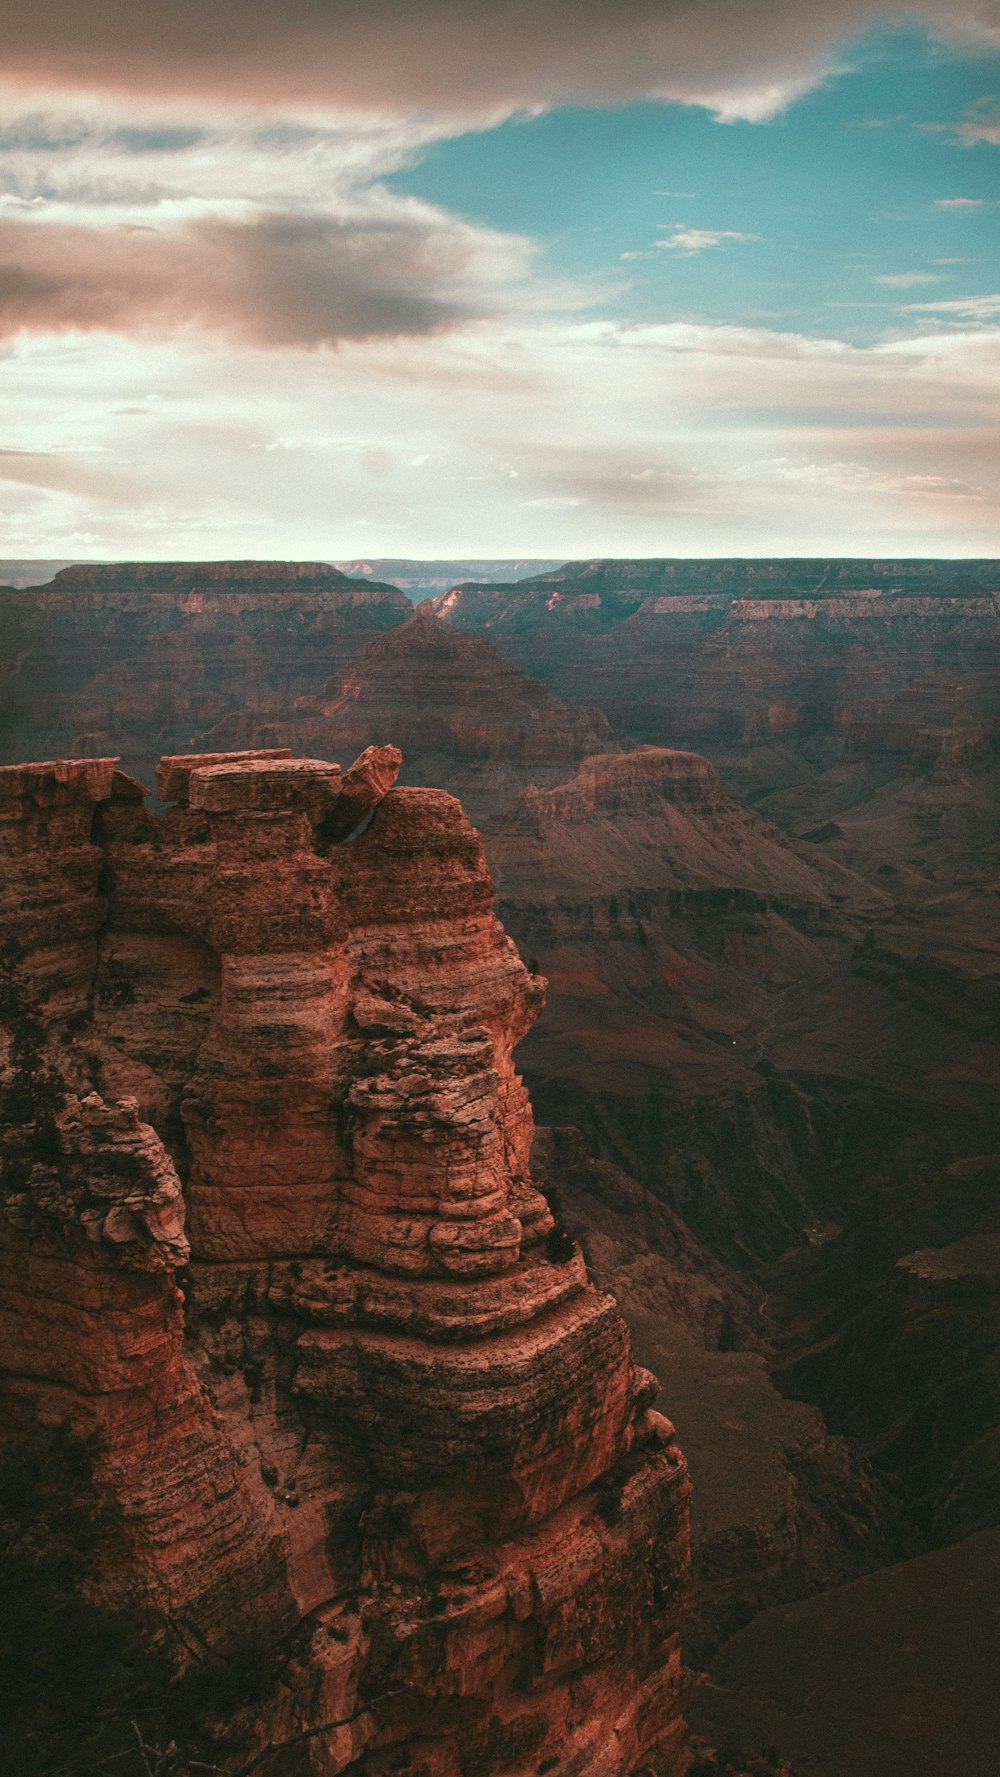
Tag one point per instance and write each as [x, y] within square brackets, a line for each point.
[743, 817]
[463, 717]
[420, 578]
[778, 670]
[141, 659]
[781, 672]
[271, 1247]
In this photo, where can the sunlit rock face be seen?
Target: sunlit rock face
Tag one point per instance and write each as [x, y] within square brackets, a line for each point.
[269, 1230]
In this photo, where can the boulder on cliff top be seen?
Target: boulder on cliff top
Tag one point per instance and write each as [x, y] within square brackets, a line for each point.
[264, 785]
[173, 774]
[49, 783]
[361, 789]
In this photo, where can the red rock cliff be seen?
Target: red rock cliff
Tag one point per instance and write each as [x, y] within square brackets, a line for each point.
[389, 1424]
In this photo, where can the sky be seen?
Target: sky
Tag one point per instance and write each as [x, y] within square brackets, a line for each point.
[329, 280]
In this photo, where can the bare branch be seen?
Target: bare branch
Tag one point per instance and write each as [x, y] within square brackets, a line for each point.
[142, 1750]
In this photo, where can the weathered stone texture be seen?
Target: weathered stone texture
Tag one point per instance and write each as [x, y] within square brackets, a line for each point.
[274, 1028]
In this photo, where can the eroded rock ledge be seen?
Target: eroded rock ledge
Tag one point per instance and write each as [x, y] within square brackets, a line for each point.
[377, 1414]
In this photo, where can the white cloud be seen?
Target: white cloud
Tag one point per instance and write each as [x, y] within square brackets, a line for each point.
[979, 123]
[689, 241]
[119, 218]
[906, 280]
[967, 308]
[680, 438]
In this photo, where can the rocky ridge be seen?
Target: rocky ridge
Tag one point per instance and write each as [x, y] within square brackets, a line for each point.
[143, 658]
[270, 1234]
[464, 716]
[776, 669]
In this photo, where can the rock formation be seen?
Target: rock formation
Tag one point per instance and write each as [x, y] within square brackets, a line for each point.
[774, 669]
[465, 717]
[677, 931]
[269, 1232]
[143, 658]
[783, 1034]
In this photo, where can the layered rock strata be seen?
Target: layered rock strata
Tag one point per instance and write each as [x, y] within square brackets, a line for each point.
[144, 658]
[678, 932]
[776, 669]
[464, 716]
[270, 1232]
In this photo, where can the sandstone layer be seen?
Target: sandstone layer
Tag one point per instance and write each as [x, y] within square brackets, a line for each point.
[270, 1233]
[777, 670]
[143, 658]
[464, 716]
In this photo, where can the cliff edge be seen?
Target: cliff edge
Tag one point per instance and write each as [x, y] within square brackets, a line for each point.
[270, 1242]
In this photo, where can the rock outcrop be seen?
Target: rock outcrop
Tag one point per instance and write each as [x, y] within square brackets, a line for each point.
[144, 658]
[658, 819]
[775, 669]
[359, 1398]
[464, 716]
[677, 930]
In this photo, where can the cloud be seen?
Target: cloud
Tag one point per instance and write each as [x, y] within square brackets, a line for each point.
[958, 203]
[966, 308]
[689, 241]
[623, 481]
[906, 280]
[69, 471]
[851, 476]
[979, 122]
[669, 432]
[272, 280]
[89, 154]
[456, 55]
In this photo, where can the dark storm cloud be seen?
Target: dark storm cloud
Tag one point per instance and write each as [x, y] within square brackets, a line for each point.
[449, 54]
[274, 281]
